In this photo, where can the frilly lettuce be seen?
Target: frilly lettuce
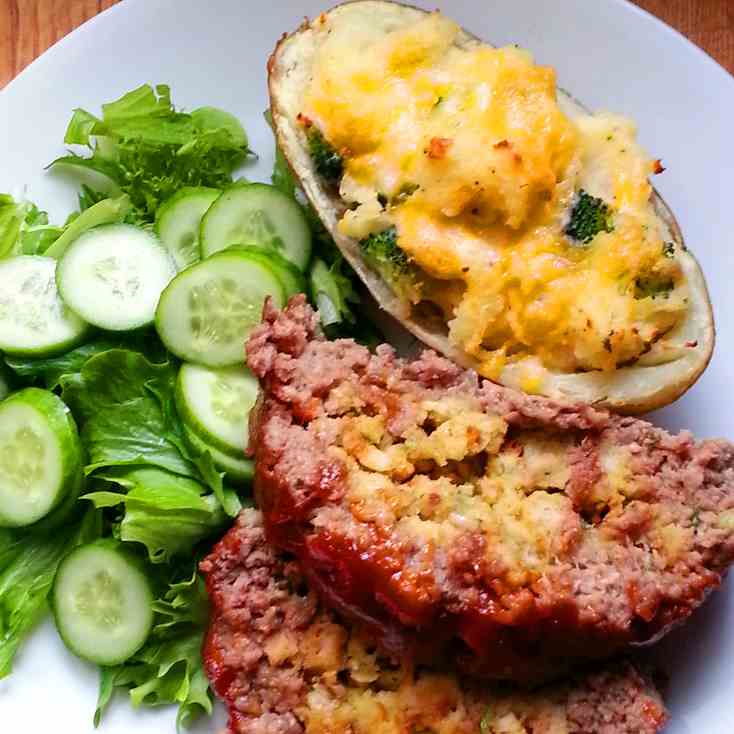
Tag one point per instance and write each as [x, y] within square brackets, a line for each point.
[24, 228]
[168, 669]
[149, 150]
[168, 514]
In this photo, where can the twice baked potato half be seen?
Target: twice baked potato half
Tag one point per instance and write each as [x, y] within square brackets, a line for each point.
[487, 211]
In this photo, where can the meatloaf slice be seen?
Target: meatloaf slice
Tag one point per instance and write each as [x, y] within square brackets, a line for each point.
[445, 510]
[286, 665]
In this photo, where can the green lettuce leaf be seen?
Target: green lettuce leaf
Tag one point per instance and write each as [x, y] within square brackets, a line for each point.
[24, 228]
[50, 370]
[27, 568]
[88, 197]
[81, 127]
[282, 178]
[108, 170]
[331, 291]
[185, 602]
[124, 404]
[215, 479]
[151, 150]
[167, 513]
[24, 585]
[107, 211]
[126, 409]
[10, 547]
[141, 102]
[12, 215]
[223, 125]
[168, 669]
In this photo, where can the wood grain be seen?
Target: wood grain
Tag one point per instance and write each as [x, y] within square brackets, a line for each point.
[29, 27]
[708, 23]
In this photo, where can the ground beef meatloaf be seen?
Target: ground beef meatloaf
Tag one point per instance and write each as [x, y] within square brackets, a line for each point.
[442, 509]
[286, 665]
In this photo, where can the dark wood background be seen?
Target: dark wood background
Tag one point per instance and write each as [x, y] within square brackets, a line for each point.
[29, 27]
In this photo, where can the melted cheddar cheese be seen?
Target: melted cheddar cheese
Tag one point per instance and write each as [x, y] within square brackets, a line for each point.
[465, 150]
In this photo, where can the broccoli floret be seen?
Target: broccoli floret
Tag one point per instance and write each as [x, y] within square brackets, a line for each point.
[406, 191]
[381, 249]
[590, 215]
[329, 164]
[653, 286]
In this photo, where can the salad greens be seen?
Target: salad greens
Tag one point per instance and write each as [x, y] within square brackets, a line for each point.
[123, 404]
[168, 669]
[156, 494]
[126, 409]
[49, 370]
[27, 567]
[149, 150]
[146, 483]
[24, 228]
[105, 211]
[168, 514]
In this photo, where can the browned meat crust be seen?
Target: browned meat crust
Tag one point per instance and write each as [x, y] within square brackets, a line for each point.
[285, 665]
[438, 508]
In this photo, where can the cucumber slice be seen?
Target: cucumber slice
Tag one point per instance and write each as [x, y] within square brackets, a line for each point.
[102, 603]
[40, 456]
[207, 312]
[177, 222]
[257, 214]
[65, 512]
[113, 276]
[236, 470]
[290, 276]
[34, 322]
[216, 404]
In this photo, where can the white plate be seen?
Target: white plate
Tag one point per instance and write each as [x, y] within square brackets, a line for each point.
[607, 53]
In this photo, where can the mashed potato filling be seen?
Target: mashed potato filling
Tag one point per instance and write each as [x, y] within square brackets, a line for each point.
[466, 152]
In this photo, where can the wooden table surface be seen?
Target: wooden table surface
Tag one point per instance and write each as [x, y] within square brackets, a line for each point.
[29, 27]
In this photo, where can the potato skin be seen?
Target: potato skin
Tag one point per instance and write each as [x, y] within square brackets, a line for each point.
[633, 390]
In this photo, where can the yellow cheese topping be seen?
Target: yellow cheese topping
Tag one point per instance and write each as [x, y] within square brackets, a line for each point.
[463, 148]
